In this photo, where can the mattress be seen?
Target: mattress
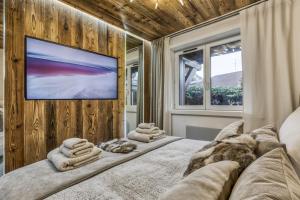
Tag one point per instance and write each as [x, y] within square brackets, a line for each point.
[143, 178]
[143, 174]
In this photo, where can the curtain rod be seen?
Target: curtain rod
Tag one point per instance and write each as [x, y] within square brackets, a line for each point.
[214, 20]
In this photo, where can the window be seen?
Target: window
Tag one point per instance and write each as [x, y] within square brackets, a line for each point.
[210, 76]
[131, 84]
[226, 74]
[134, 82]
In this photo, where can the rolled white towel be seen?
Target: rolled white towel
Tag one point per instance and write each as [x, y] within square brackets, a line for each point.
[146, 125]
[153, 130]
[73, 143]
[79, 151]
[62, 163]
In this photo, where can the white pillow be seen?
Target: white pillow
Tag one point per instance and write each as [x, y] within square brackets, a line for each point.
[214, 181]
[289, 134]
[272, 176]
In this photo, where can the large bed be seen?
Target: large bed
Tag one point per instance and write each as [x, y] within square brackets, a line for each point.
[143, 174]
[258, 165]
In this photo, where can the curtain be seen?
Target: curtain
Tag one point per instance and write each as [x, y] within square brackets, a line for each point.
[167, 83]
[140, 89]
[270, 42]
[157, 82]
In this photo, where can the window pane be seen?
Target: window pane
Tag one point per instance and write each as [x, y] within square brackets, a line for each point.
[191, 72]
[226, 74]
[134, 82]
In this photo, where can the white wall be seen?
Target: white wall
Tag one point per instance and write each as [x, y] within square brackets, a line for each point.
[177, 120]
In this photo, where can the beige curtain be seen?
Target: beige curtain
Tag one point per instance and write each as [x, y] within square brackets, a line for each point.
[168, 78]
[157, 82]
[140, 92]
[270, 40]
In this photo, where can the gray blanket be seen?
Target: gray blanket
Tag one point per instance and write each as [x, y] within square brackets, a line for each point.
[143, 178]
[39, 180]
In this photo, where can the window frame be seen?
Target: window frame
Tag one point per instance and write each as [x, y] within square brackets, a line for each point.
[207, 77]
[178, 69]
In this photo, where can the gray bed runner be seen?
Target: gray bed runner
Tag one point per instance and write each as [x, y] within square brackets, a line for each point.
[40, 180]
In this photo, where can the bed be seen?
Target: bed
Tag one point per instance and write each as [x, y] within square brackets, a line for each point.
[262, 164]
[143, 174]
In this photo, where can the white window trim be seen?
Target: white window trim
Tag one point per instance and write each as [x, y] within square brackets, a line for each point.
[207, 79]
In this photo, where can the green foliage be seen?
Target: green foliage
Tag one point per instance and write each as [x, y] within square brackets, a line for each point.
[194, 96]
[219, 96]
[227, 96]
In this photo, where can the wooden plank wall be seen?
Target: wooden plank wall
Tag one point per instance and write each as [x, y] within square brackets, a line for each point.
[33, 128]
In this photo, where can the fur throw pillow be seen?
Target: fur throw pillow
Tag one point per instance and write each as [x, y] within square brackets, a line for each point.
[267, 140]
[118, 146]
[236, 148]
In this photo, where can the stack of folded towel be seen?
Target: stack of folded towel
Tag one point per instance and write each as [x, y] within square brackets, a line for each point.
[73, 153]
[146, 132]
[118, 146]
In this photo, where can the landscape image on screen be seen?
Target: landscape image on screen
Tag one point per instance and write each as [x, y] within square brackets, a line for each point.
[54, 71]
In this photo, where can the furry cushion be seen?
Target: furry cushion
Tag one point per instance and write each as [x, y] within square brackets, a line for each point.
[239, 148]
[233, 129]
[118, 146]
[213, 181]
[272, 176]
[267, 140]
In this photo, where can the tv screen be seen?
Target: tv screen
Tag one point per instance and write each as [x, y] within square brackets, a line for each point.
[55, 71]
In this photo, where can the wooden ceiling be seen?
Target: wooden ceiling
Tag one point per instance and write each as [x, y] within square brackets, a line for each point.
[132, 42]
[142, 19]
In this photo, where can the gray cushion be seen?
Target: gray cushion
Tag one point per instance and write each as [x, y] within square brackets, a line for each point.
[233, 129]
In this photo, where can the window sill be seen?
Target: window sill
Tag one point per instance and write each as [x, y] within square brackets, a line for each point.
[235, 114]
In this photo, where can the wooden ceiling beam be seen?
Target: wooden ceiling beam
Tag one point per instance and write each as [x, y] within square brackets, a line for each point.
[153, 17]
[129, 16]
[163, 15]
[100, 13]
[141, 18]
[190, 12]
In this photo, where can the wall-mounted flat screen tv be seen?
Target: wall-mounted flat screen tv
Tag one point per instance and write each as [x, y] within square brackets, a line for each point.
[55, 71]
